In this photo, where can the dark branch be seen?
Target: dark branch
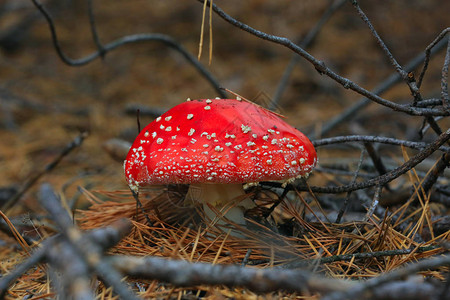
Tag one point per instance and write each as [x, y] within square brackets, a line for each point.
[323, 69]
[358, 291]
[129, 39]
[382, 179]
[373, 139]
[183, 273]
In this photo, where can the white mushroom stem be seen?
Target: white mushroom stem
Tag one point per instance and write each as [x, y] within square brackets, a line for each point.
[221, 196]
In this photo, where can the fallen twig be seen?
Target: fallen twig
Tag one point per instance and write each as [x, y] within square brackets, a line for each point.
[183, 273]
[129, 39]
[77, 142]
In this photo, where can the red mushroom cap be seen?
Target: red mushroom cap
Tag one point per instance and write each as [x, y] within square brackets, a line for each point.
[218, 141]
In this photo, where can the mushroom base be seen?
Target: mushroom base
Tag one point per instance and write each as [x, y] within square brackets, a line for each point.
[229, 200]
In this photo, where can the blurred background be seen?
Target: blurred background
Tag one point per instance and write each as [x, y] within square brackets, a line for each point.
[45, 104]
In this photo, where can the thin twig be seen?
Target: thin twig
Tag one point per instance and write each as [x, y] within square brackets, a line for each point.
[360, 255]
[444, 78]
[347, 198]
[433, 175]
[94, 33]
[384, 86]
[382, 179]
[32, 180]
[368, 286]
[403, 74]
[323, 69]
[373, 139]
[305, 43]
[429, 51]
[134, 38]
[374, 203]
[6, 280]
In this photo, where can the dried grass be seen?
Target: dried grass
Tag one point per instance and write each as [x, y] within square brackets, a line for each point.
[179, 232]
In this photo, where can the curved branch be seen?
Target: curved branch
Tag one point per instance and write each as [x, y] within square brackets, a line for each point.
[142, 37]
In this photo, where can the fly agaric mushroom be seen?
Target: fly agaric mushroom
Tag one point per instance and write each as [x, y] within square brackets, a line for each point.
[216, 145]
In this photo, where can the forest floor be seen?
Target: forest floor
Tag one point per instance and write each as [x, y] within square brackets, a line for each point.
[46, 105]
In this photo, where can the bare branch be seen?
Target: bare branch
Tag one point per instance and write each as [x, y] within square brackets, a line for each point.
[183, 273]
[378, 90]
[373, 139]
[129, 39]
[428, 52]
[382, 179]
[370, 285]
[403, 74]
[347, 198]
[87, 251]
[323, 69]
[444, 78]
[357, 255]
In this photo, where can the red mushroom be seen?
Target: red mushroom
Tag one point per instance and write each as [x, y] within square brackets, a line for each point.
[216, 145]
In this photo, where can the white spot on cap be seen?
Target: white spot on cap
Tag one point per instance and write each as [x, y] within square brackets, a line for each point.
[193, 141]
[274, 141]
[146, 134]
[154, 134]
[205, 145]
[218, 148]
[238, 98]
[294, 163]
[159, 141]
[228, 144]
[158, 119]
[162, 126]
[188, 99]
[302, 160]
[190, 116]
[207, 107]
[208, 101]
[250, 144]
[174, 137]
[269, 161]
[266, 137]
[254, 135]
[191, 132]
[168, 128]
[271, 130]
[246, 128]
[168, 118]
[289, 146]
